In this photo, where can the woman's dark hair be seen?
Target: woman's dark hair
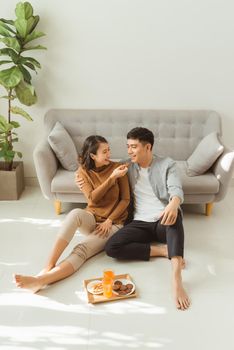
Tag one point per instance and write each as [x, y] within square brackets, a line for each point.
[142, 134]
[91, 145]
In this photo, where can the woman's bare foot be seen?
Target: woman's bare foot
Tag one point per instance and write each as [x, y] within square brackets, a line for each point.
[45, 270]
[28, 282]
[159, 250]
[181, 298]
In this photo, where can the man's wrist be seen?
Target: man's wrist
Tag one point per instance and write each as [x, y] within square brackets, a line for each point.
[175, 201]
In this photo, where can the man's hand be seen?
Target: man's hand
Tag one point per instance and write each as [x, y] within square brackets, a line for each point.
[80, 182]
[169, 214]
[103, 229]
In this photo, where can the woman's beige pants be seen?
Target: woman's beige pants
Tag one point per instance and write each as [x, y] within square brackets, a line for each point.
[92, 244]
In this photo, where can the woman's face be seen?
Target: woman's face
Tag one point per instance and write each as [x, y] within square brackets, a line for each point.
[102, 157]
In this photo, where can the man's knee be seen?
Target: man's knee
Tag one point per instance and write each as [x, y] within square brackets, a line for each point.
[111, 249]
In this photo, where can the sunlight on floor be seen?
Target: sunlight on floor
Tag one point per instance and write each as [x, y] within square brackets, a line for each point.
[20, 297]
[35, 221]
[15, 263]
[119, 340]
[27, 299]
[120, 308]
[45, 334]
[69, 335]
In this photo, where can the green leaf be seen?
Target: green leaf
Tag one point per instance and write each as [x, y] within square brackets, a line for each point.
[26, 93]
[10, 77]
[33, 36]
[25, 60]
[15, 139]
[8, 21]
[8, 98]
[24, 10]
[19, 154]
[2, 153]
[26, 74]
[21, 25]
[34, 24]
[38, 47]
[12, 43]
[9, 52]
[3, 25]
[31, 66]
[10, 154]
[4, 62]
[3, 123]
[1, 117]
[6, 127]
[15, 124]
[18, 110]
[4, 31]
[30, 25]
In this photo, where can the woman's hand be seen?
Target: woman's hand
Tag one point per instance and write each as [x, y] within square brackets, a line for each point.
[80, 182]
[120, 171]
[103, 229]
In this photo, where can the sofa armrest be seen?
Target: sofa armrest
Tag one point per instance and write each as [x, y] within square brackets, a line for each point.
[46, 165]
[223, 170]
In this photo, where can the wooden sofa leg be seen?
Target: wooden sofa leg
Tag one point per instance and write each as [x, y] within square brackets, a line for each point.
[57, 205]
[209, 207]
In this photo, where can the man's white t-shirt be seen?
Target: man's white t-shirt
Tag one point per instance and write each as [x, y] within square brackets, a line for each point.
[147, 206]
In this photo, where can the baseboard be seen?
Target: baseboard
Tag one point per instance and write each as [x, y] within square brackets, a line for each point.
[31, 181]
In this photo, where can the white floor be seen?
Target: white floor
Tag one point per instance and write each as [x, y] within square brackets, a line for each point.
[59, 317]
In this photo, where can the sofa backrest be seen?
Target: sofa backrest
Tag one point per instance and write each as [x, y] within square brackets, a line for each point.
[177, 132]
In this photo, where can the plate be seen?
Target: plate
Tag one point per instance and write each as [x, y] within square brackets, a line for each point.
[90, 286]
[124, 282]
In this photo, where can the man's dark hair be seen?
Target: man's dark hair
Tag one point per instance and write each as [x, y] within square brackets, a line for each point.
[142, 134]
[91, 145]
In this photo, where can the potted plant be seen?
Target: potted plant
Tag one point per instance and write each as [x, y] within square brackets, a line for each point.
[15, 78]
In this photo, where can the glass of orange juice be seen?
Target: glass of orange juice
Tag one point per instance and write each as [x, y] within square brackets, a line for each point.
[108, 273]
[107, 283]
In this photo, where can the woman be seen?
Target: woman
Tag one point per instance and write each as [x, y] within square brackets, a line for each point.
[107, 192]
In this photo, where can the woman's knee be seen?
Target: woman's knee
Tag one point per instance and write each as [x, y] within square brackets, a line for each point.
[76, 214]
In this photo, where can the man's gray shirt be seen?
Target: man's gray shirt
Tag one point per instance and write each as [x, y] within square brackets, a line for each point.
[163, 177]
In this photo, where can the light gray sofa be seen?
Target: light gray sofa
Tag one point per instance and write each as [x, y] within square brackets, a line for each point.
[177, 133]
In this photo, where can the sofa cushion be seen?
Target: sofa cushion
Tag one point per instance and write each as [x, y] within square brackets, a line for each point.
[63, 146]
[204, 155]
[201, 184]
[64, 182]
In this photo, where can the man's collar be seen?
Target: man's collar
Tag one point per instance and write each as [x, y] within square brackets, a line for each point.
[138, 167]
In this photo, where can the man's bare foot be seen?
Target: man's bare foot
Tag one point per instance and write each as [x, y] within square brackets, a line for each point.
[183, 263]
[159, 250]
[28, 282]
[181, 298]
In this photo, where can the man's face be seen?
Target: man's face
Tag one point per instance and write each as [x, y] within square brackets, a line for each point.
[138, 151]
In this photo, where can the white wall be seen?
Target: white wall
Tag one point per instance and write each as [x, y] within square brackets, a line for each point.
[131, 54]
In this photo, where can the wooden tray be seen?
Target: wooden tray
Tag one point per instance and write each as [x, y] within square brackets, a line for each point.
[99, 298]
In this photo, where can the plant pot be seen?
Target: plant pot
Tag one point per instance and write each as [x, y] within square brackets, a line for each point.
[11, 182]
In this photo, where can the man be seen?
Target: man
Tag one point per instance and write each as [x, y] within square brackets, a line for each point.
[157, 195]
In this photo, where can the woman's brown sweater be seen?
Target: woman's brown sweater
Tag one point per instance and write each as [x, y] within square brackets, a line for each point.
[107, 198]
